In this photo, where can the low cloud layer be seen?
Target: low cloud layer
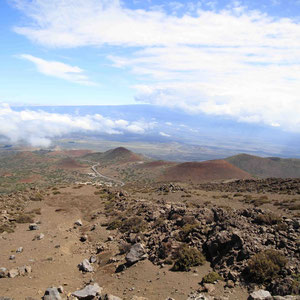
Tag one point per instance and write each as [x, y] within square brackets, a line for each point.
[38, 128]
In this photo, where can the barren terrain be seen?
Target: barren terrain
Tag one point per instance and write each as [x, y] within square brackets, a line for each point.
[149, 238]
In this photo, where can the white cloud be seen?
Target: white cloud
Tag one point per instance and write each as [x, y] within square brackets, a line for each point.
[234, 62]
[37, 128]
[59, 70]
[164, 134]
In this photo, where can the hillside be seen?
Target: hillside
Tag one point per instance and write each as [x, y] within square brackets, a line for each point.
[203, 171]
[117, 155]
[69, 163]
[266, 167]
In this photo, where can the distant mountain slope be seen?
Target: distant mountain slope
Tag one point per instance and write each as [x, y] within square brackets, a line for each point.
[266, 167]
[117, 155]
[203, 171]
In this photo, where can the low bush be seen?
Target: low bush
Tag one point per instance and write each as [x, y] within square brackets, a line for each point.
[268, 218]
[186, 258]
[185, 231]
[265, 266]
[211, 277]
[133, 224]
[24, 218]
[6, 228]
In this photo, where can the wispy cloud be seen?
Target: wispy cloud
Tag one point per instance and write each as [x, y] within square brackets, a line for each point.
[38, 128]
[59, 70]
[234, 62]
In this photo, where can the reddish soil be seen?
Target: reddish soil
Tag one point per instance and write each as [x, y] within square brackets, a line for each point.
[69, 163]
[30, 179]
[203, 171]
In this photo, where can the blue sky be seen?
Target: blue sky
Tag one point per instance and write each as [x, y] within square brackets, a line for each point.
[237, 59]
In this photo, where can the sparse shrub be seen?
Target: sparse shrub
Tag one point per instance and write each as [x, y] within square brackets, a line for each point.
[185, 231]
[56, 192]
[296, 283]
[36, 197]
[165, 250]
[24, 218]
[158, 222]
[115, 224]
[36, 211]
[281, 226]
[225, 196]
[268, 218]
[261, 200]
[211, 277]
[247, 198]
[186, 258]
[134, 224]
[237, 195]
[266, 266]
[294, 207]
[7, 228]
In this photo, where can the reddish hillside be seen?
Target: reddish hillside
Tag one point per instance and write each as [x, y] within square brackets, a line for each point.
[156, 164]
[68, 163]
[203, 171]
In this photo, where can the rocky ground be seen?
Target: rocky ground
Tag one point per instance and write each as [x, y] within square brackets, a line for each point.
[215, 241]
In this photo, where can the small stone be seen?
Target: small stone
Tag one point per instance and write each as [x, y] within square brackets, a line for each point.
[83, 238]
[60, 289]
[260, 295]
[88, 292]
[39, 236]
[110, 238]
[13, 273]
[52, 294]
[78, 222]
[19, 250]
[33, 226]
[3, 273]
[12, 257]
[85, 266]
[136, 253]
[93, 259]
[24, 270]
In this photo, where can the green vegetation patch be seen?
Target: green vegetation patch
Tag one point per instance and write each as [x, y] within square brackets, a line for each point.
[188, 257]
[266, 266]
[133, 224]
[212, 277]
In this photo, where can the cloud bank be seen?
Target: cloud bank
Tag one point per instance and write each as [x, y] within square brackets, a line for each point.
[38, 128]
[233, 62]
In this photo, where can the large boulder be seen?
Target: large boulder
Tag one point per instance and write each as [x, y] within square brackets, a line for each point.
[136, 253]
[260, 295]
[89, 292]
